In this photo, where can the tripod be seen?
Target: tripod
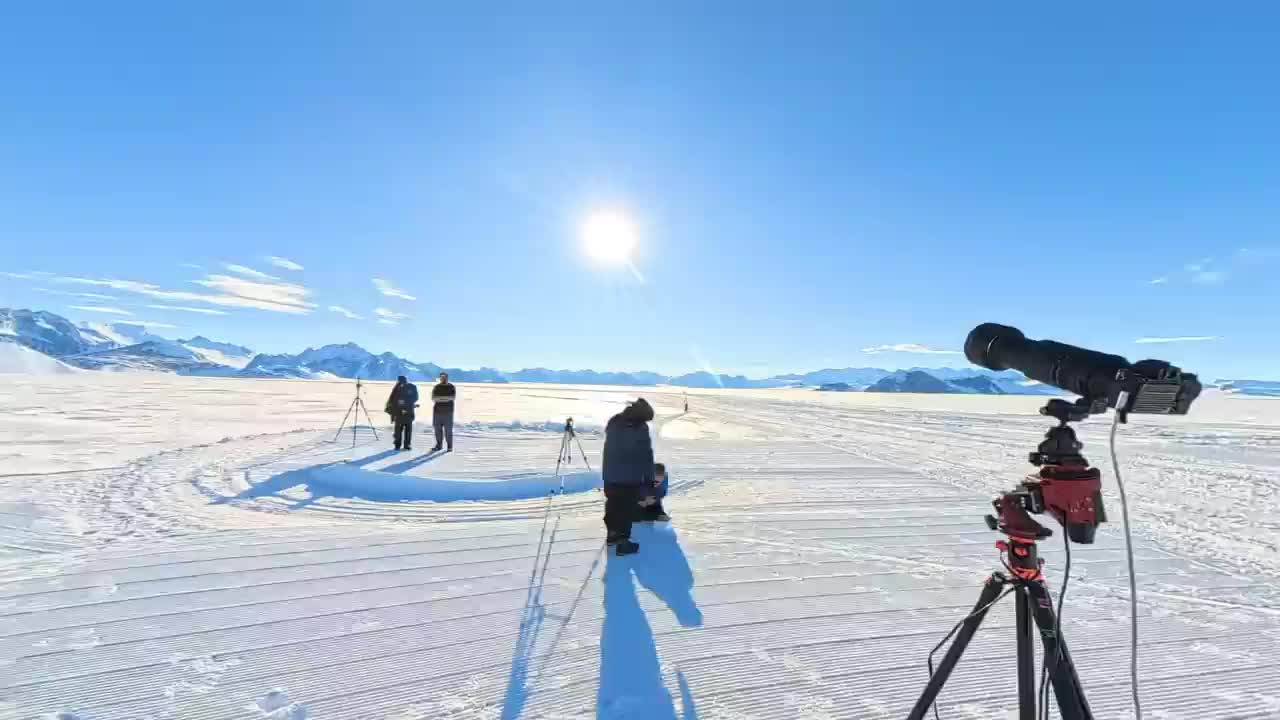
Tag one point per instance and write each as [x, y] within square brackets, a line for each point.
[1071, 490]
[1033, 604]
[567, 440]
[356, 406]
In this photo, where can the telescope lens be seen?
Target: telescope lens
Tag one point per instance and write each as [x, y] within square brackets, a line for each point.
[983, 345]
[1086, 373]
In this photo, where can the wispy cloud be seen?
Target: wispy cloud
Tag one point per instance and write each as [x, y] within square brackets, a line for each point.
[1257, 255]
[384, 321]
[193, 266]
[144, 323]
[1209, 277]
[64, 293]
[285, 263]
[277, 296]
[344, 312]
[280, 297]
[1183, 339]
[248, 272]
[386, 288]
[101, 309]
[28, 275]
[387, 314]
[914, 348]
[179, 308]
[1202, 274]
[1208, 270]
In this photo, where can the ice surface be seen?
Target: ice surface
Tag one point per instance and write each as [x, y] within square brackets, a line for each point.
[206, 548]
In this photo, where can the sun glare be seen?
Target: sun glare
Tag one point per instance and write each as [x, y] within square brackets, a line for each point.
[609, 237]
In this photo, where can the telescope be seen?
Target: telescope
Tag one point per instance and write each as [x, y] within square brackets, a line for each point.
[1101, 380]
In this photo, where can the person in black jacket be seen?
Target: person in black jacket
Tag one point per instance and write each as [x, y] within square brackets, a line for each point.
[442, 397]
[627, 471]
[400, 406]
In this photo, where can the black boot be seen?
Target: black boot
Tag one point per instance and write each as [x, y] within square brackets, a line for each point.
[626, 547]
[614, 538]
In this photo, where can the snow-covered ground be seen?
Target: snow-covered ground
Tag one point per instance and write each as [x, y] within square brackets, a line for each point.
[203, 548]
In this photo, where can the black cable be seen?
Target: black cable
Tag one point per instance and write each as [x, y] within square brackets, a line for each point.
[1045, 670]
[954, 630]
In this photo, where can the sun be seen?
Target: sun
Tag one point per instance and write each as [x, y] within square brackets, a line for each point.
[609, 237]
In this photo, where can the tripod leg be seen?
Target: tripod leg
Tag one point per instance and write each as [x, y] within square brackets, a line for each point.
[344, 421]
[560, 458]
[582, 450]
[1027, 699]
[990, 591]
[369, 418]
[1062, 671]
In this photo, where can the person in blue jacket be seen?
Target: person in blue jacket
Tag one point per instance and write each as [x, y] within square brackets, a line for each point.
[651, 506]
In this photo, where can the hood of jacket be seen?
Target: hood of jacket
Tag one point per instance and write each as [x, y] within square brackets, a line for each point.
[639, 411]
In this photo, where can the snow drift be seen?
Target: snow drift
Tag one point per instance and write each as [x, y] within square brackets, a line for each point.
[21, 360]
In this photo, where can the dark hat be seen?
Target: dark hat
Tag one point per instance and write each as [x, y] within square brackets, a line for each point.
[402, 379]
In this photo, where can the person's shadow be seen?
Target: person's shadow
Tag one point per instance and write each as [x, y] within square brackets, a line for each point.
[399, 490]
[631, 683]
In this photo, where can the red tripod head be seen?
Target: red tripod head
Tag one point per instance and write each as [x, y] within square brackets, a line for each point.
[1065, 486]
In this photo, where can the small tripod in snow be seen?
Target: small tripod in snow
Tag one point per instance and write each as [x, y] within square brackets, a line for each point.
[566, 450]
[356, 406]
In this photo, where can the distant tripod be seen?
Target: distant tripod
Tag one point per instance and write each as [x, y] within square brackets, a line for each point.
[356, 406]
[566, 451]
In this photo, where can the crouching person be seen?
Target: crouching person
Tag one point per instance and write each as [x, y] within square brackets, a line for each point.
[651, 505]
[627, 471]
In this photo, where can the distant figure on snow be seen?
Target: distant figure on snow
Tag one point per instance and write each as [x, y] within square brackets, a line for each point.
[627, 470]
[400, 406]
[651, 504]
[442, 397]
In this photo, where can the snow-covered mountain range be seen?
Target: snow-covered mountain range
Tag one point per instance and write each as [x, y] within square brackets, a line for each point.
[128, 347]
[948, 380]
[344, 361]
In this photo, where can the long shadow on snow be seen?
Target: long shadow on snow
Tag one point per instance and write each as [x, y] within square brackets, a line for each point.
[411, 463]
[631, 683]
[522, 658]
[399, 492]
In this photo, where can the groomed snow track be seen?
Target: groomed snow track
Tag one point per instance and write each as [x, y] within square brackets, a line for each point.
[807, 574]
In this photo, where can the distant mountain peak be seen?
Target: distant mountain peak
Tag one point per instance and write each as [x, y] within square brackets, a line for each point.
[48, 333]
[227, 349]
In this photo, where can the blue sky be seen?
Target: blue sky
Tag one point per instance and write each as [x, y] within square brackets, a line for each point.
[811, 180]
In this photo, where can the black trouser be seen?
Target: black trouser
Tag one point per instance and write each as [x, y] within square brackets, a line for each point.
[443, 423]
[404, 429]
[621, 506]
